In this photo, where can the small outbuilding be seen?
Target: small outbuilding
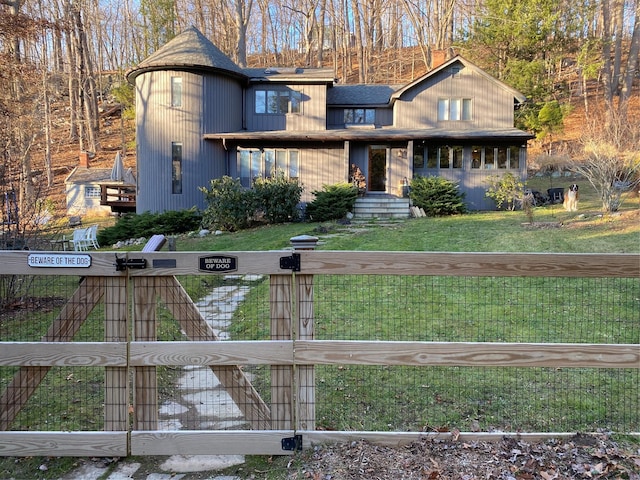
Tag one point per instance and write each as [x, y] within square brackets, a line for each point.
[97, 191]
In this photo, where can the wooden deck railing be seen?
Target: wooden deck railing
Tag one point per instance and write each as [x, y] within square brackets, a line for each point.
[121, 198]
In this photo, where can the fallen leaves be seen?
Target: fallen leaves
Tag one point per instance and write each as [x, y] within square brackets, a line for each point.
[578, 457]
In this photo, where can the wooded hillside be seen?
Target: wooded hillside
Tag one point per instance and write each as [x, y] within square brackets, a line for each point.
[63, 64]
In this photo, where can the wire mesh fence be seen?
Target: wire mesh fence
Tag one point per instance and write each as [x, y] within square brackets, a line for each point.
[64, 398]
[387, 398]
[462, 309]
[477, 309]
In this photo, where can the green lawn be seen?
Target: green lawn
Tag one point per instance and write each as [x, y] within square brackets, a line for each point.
[399, 308]
[477, 309]
[554, 230]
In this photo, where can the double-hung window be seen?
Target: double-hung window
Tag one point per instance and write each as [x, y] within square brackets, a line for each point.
[278, 101]
[454, 109]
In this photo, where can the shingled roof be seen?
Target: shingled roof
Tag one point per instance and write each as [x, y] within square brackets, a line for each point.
[344, 95]
[190, 50]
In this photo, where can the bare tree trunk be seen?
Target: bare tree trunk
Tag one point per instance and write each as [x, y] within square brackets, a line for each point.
[27, 196]
[14, 9]
[615, 82]
[82, 85]
[321, 33]
[47, 125]
[265, 22]
[423, 43]
[632, 65]
[377, 30]
[74, 132]
[357, 22]
[241, 18]
[89, 89]
[585, 94]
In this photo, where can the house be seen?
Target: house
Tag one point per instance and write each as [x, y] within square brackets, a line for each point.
[200, 116]
[91, 190]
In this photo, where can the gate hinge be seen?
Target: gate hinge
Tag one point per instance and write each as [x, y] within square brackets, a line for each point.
[291, 263]
[133, 263]
[292, 443]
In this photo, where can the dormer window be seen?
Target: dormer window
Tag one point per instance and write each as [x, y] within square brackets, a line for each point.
[278, 101]
[356, 116]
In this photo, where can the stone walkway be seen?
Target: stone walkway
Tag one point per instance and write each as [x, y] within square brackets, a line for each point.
[201, 396]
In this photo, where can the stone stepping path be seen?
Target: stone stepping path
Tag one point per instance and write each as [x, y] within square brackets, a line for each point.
[200, 394]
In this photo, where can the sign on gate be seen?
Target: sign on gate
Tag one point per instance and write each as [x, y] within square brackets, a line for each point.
[59, 260]
[218, 263]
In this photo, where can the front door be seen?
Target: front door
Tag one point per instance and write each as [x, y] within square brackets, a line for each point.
[377, 181]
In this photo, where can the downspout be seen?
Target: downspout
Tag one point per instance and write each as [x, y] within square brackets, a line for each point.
[347, 158]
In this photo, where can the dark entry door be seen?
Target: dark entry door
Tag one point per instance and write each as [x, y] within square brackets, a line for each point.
[377, 181]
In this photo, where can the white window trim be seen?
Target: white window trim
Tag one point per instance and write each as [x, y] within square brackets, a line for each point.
[446, 107]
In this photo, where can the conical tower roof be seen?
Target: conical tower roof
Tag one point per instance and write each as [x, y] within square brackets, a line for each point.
[190, 50]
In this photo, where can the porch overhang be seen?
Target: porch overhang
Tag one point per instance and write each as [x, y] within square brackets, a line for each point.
[373, 135]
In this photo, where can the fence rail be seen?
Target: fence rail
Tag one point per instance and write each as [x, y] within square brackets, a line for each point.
[307, 359]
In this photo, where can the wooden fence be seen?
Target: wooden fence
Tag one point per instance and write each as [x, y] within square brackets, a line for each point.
[129, 284]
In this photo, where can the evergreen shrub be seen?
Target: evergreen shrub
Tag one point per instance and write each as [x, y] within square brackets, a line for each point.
[277, 198]
[437, 196]
[148, 224]
[230, 206]
[332, 202]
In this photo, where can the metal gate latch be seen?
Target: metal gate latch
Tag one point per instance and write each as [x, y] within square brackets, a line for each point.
[133, 263]
[292, 443]
[290, 263]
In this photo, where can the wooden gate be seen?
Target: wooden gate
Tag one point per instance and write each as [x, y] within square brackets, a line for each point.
[129, 284]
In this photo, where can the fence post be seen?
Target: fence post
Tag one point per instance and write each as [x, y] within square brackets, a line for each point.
[281, 375]
[116, 378]
[305, 376]
[145, 378]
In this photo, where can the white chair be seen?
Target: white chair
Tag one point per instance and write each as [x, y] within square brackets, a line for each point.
[92, 237]
[79, 239]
